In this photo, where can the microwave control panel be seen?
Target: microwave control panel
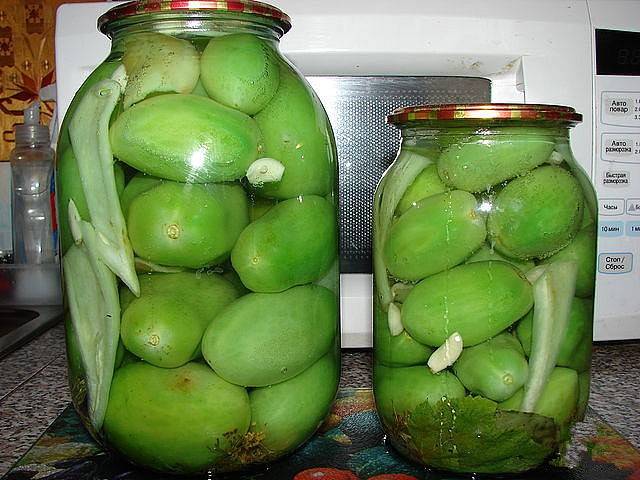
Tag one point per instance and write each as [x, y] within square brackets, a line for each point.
[616, 177]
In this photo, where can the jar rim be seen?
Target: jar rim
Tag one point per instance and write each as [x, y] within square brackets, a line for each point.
[475, 112]
[142, 7]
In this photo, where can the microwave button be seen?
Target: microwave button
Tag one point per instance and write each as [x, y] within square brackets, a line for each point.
[633, 229]
[611, 229]
[612, 263]
[611, 206]
[616, 178]
[633, 206]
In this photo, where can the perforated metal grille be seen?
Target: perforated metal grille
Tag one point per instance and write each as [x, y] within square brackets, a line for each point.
[357, 108]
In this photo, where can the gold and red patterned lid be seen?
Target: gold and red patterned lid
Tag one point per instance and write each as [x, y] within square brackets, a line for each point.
[475, 112]
[140, 7]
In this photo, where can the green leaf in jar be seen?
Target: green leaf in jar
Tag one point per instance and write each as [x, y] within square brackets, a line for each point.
[89, 133]
[469, 435]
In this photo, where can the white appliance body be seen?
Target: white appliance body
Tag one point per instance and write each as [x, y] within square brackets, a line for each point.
[533, 52]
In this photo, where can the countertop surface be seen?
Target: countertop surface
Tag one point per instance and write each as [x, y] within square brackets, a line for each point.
[34, 391]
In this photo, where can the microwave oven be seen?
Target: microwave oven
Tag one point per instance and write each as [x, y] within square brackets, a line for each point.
[364, 58]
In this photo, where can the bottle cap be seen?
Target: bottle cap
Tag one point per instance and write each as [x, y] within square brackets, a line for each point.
[31, 132]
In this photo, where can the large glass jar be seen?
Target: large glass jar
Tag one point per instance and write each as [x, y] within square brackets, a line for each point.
[196, 183]
[484, 261]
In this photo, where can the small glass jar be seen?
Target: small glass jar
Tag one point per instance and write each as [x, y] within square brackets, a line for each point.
[484, 268]
[197, 197]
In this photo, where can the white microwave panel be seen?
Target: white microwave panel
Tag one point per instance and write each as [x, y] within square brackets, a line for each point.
[616, 137]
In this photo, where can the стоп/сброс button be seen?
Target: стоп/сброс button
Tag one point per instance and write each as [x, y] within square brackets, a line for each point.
[615, 262]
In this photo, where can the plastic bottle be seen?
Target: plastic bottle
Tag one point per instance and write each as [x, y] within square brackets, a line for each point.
[32, 163]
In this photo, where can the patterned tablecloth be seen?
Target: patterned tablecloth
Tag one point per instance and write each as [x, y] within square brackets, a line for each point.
[349, 446]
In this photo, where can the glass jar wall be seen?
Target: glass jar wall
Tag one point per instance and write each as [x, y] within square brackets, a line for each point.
[484, 261]
[196, 185]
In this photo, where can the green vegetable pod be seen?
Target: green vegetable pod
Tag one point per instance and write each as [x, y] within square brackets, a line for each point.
[559, 398]
[477, 300]
[158, 63]
[286, 414]
[188, 225]
[291, 244]
[69, 187]
[240, 71]
[537, 214]
[297, 134]
[575, 349]
[266, 338]
[399, 350]
[495, 369]
[439, 232]
[582, 250]
[481, 161]
[177, 420]
[165, 325]
[186, 138]
[398, 391]
[426, 184]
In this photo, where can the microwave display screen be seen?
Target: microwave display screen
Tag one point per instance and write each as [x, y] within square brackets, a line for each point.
[617, 52]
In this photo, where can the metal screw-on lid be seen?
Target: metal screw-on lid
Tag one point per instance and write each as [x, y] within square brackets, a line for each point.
[31, 132]
[485, 111]
[141, 7]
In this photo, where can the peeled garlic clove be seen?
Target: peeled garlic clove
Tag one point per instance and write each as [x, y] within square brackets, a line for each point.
[446, 354]
[394, 320]
[265, 170]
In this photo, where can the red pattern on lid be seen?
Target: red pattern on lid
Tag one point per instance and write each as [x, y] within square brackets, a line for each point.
[485, 111]
[153, 6]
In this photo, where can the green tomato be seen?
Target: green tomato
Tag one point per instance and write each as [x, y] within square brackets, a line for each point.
[294, 243]
[139, 183]
[395, 351]
[266, 338]
[438, 233]
[575, 349]
[162, 331]
[495, 369]
[297, 133]
[180, 420]
[186, 138]
[477, 300]
[259, 206]
[537, 214]
[481, 161]
[426, 184]
[559, 399]
[398, 391]
[240, 71]
[205, 290]
[485, 252]
[188, 225]
[289, 412]
[158, 63]
[165, 325]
